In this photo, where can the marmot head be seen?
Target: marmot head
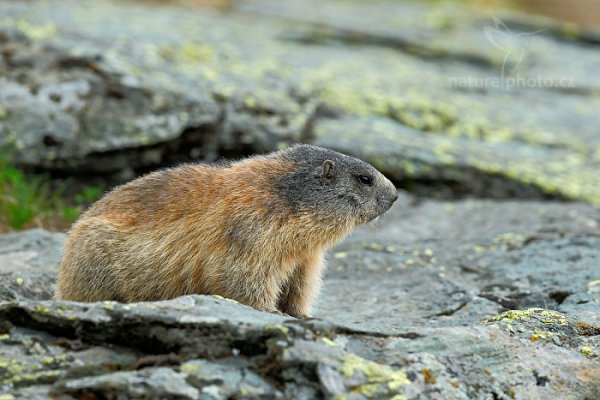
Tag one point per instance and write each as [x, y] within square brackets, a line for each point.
[335, 185]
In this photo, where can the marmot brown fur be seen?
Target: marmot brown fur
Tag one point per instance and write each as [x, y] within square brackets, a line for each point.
[254, 230]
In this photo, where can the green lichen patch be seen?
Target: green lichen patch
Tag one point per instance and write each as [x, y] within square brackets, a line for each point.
[534, 324]
[9, 367]
[548, 317]
[279, 329]
[188, 52]
[510, 240]
[33, 377]
[548, 326]
[191, 369]
[551, 162]
[586, 351]
[41, 309]
[33, 31]
[109, 305]
[30, 370]
[370, 379]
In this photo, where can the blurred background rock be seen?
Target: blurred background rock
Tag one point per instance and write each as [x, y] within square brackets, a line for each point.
[585, 13]
[94, 94]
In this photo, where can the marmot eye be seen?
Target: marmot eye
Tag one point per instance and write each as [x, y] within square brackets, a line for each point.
[367, 180]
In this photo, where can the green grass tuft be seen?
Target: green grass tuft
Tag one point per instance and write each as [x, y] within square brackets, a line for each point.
[33, 200]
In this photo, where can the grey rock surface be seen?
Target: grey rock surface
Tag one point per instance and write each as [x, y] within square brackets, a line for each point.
[473, 299]
[419, 90]
[28, 263]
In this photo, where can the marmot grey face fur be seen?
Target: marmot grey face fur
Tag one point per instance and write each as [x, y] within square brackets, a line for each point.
[253, 230]
[328, 182]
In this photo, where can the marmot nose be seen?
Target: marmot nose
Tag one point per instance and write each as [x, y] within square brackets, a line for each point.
[394, 197]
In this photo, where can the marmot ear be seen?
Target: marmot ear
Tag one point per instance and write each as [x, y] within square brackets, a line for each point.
[327, 171]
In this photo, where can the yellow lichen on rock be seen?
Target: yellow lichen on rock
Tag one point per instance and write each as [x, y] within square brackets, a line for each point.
[276, 328]
[191, 369]
[586, 351]
[379, 378]
[546, 316]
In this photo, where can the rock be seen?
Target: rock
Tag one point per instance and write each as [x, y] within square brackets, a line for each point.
[150, 383]
[418, 90]
[538, 324]
[466, 299]
[29, 261]
[470, 299]
[440, 264]
[227, 379]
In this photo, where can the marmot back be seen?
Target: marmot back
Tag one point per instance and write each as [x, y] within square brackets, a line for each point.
[254, 230]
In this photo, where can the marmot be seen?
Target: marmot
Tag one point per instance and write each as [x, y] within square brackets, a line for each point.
[254, 230]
